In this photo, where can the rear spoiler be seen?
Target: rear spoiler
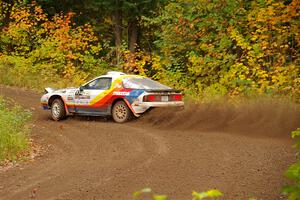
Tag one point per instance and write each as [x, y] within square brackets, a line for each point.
[163, 90]
[49, 90]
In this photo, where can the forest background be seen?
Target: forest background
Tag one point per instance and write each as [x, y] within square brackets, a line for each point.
[206, 48]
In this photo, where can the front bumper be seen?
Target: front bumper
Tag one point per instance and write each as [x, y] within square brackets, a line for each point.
[44, 106]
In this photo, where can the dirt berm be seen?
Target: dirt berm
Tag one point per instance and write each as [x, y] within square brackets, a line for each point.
[241, 150]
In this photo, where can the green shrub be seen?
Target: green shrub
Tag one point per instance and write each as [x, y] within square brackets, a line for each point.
[293, 173]
[13, 131]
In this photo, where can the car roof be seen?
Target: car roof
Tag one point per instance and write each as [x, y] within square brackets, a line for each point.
[114, 75]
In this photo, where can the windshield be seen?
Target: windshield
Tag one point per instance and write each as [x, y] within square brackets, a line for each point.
[143, 83]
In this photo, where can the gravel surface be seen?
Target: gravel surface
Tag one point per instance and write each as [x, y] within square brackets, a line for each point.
[241, 151]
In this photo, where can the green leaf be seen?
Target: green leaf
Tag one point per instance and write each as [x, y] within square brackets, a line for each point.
[142, 191]
[293, 192]
[208, 194]
[293, 172]
[296, 133]
[252, 198]
[159, 197]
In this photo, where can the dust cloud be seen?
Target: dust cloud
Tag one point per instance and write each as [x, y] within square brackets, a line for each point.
[262, 117]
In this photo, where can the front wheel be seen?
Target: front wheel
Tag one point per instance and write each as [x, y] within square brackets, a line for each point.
[120, 112]
[58, 111]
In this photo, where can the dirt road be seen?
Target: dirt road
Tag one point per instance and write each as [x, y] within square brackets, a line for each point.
[242, 152]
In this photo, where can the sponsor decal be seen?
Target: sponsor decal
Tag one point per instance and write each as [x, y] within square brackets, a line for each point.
[70, 98]
[82, 97]
[121, 93]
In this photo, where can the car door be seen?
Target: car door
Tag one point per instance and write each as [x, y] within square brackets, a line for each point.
[90, 99]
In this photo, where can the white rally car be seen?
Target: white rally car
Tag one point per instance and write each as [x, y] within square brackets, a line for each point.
[114, 94]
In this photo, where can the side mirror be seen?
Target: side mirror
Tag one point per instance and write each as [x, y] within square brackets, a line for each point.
[80, 88]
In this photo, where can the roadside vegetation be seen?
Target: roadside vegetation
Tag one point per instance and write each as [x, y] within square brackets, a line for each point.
[14, 131]
[293, 172]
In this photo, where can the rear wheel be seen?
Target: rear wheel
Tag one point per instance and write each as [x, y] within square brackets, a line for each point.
[120, 112]
[58, 111]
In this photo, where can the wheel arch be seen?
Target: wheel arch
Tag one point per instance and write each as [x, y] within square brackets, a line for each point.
[127, 103]
[115, 101]
[52, 98]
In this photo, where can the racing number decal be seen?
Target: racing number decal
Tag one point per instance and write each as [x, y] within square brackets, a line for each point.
[82, 99]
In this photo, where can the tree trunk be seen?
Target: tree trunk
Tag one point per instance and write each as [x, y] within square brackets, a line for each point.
[132, 41]
[8, 4]
[117, 28]
[132, 35]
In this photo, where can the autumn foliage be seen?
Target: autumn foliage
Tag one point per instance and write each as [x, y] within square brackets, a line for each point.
[230, 47]
[206, 48]
[52, 48]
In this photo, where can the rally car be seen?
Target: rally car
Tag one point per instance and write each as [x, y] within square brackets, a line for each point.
[115, 94]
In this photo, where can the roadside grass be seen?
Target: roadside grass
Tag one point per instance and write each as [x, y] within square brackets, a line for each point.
[21, 72]
[37, 81]
[14, 130]
[15, 71]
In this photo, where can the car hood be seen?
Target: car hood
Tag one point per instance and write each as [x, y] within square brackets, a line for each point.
[61, 91]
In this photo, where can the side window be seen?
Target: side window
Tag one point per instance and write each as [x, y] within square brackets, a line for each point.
[99, 84]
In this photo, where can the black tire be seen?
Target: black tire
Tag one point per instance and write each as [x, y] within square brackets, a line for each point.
[120, 112]
[58, 111]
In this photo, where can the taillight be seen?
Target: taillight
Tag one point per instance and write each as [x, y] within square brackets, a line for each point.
[162, 98]
[176, 97]
[151, 98]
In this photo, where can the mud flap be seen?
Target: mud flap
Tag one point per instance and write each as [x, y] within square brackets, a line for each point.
[129, 106]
